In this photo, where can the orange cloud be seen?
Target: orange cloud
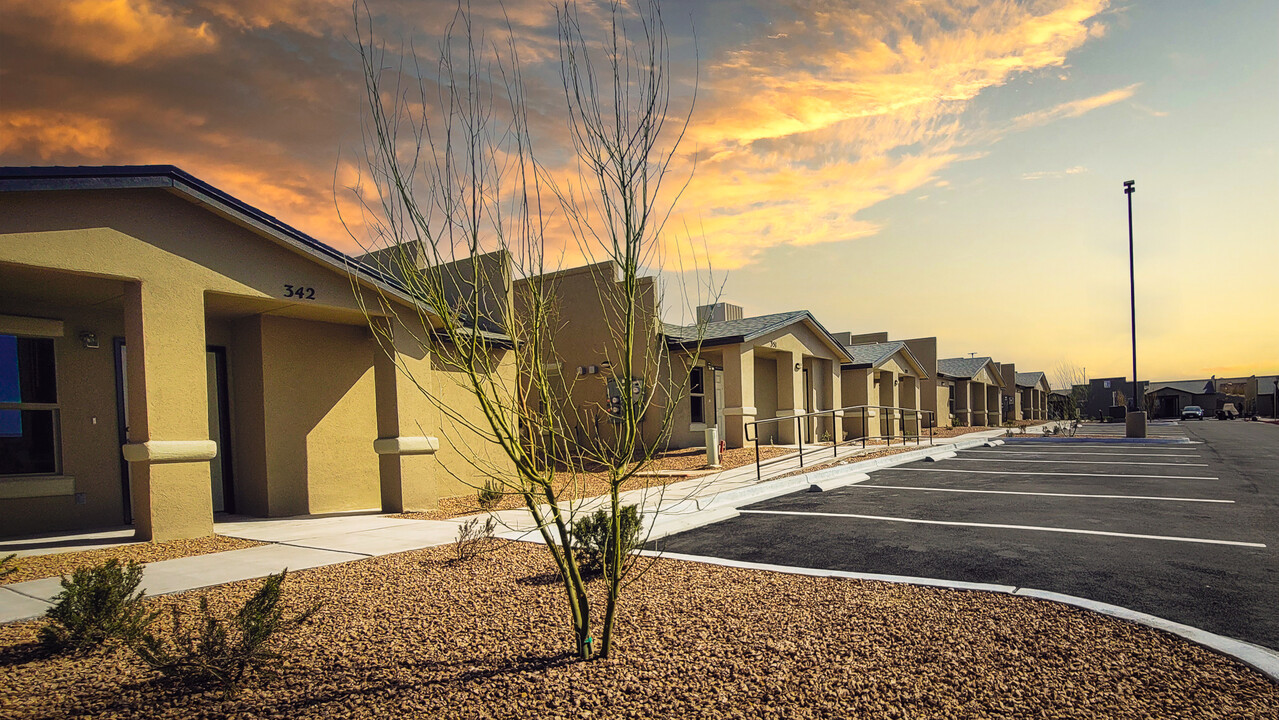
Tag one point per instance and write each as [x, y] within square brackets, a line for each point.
[117, 32]
[804, 128]
[54, 135]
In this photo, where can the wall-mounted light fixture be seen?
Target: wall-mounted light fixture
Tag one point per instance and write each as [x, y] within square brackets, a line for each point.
[797, 367]
[89, 340]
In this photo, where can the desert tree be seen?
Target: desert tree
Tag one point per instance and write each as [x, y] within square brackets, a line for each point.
[461, 212]
[1071, 377]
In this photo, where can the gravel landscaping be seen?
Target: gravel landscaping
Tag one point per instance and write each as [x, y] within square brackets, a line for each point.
[950, 432]
[413, 635]
[34, 567]
[592, 484]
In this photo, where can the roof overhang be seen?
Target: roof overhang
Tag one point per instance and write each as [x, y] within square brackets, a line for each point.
[190, 188]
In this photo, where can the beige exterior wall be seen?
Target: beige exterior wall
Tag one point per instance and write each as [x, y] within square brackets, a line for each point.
[934, 393]
[172, 277]
[582, 336]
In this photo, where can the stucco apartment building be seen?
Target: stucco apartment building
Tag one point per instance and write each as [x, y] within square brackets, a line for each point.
[885, 377]
[976, 386]
[1029, 391]
[168, 352]
[724, 371]
[764, 367]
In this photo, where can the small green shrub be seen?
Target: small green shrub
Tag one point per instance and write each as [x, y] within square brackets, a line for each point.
[593, 538]
[958, 422]
[489, 495]
[8, 565]
[223, 651]
[97, 605]
[471, 536]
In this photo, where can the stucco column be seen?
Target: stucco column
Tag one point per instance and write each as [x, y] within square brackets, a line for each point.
[790, 394]
[977, 403]
[963, 401]
[739, 394]
[994, 405]
[908, 394]
[832, 398]
[405, 476]
[168, 440]
[888, 397]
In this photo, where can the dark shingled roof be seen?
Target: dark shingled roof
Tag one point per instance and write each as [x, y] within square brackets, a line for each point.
[1029, 379]
[962, 368]
[1193, 387]
[115, 177]
[731, 332]
[872, 354]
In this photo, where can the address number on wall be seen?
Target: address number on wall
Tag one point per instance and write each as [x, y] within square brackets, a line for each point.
[301, 293]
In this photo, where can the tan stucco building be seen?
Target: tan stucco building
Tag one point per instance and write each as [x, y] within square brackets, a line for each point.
[976, 388]
[168, 352]
[1032, 392]
[887, 378]
[753, 369]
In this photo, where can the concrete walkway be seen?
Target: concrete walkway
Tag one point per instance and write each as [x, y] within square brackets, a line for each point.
[307, 542]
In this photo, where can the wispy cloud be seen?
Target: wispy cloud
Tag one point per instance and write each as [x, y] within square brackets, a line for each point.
[1074, 108]
[1043, 174]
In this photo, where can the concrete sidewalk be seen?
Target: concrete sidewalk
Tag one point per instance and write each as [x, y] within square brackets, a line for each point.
[307, 542]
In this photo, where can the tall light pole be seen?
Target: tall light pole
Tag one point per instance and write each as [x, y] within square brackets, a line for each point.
[1130, 187]
[1136, 420]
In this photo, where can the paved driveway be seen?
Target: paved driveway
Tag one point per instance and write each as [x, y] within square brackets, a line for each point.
[1187, 532]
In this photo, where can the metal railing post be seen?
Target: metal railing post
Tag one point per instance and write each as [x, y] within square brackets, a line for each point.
[834, 435]
[759, 474]
[863, 428]
[799, 435]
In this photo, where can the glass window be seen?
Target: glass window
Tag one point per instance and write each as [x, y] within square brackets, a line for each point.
[697, 395]
[28, 406]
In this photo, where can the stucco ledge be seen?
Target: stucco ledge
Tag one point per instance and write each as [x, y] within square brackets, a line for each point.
[170, 451]
[406, 446]
[33, 486]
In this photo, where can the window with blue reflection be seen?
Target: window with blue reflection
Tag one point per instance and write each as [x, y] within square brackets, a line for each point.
[28, 412]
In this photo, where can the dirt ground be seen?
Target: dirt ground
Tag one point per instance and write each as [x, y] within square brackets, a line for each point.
[592, 484]
[43, 566]
[413, 635]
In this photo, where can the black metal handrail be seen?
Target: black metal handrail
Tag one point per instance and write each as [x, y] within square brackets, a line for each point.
[799, 430]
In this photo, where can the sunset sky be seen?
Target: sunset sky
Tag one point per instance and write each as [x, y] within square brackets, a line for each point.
[939, 167]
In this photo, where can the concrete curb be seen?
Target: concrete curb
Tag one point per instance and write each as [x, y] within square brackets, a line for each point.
[1261, 659]
[1114, 441]
[822, 478]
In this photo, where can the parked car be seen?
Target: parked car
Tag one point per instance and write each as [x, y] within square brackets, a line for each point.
[1192, 412]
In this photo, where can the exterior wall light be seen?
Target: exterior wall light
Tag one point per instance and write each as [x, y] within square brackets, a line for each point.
[797, 367]
[89, 340]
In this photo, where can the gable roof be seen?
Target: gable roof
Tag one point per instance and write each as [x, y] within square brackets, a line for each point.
[873, 355]
[732, 332]
[1029, 379]
[174, 179]
[962, 368]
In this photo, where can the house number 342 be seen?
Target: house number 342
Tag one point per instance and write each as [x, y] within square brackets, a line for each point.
[301, 293]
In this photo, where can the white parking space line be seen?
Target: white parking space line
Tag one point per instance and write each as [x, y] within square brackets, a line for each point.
[1053, 474]
[1042, 494]
[1003, 526]
[1099, 454]
[1084, 462]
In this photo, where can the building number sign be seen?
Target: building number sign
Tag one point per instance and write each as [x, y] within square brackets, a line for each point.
[301, 293]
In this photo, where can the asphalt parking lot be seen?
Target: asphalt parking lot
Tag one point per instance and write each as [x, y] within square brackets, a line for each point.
[1188, 532]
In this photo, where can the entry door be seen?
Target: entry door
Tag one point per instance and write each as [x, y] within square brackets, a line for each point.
[122, 427]
[219, 431]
